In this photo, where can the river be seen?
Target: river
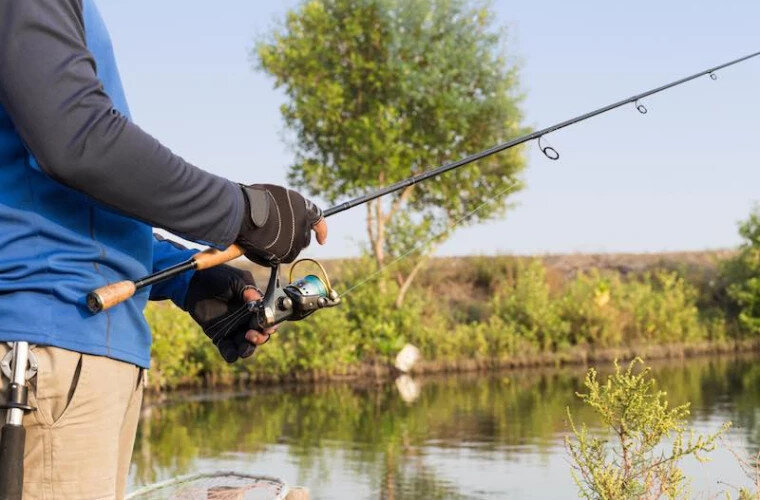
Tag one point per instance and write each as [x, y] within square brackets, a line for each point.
[458, 436]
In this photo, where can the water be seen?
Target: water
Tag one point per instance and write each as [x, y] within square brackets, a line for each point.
[485, 436]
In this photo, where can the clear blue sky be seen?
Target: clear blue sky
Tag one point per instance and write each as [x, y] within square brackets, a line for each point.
[678, 178]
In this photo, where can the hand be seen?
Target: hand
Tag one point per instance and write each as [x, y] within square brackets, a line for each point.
[216, 299]
[278, 224]
[254, 336]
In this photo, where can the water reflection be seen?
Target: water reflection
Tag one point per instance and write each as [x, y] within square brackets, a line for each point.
[459, 436]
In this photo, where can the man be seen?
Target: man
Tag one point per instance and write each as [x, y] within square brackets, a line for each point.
[80, 188]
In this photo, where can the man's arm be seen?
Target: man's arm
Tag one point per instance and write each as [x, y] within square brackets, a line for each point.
[50, 89]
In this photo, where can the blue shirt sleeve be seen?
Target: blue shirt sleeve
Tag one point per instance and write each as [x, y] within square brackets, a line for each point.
[167, 253]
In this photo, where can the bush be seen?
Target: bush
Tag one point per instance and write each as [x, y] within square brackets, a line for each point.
[590, 310]
[527, 306]
[643, 442]
[662, 308]
[526, 315]
[742, 274]
[175, 336]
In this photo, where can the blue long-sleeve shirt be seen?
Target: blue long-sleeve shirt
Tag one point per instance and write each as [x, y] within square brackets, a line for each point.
[81, 187]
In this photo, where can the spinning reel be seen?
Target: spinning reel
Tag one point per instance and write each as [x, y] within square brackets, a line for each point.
[294, 301]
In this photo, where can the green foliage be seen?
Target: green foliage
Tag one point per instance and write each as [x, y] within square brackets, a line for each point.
[644, 439]
[380, 89]
[662, 308]
[592, 312]
[527, 304]
[742, 273]
[606, 311]
[526, 315]
[488, 273]
[598, 310]
[510, 309]
[175, 337]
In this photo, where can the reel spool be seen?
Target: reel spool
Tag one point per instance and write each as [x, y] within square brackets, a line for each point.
[296, 300]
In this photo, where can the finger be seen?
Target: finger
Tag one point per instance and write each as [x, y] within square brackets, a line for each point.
[256, 338]
[251, 294]
[320, 228]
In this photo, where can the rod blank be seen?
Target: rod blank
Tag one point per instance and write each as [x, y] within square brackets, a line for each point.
[435, 172]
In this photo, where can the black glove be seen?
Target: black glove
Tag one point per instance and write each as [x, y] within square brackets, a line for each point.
[277, 224]
[215, 301]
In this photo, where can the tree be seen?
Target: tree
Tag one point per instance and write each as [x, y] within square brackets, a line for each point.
[382, 89]
[742, 273]
[641, 459]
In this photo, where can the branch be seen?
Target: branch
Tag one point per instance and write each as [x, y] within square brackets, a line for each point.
[398, 202]
[370, 220]
[408, 281]
[380, 235]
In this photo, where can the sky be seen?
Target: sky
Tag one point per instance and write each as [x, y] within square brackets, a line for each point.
[678, 178]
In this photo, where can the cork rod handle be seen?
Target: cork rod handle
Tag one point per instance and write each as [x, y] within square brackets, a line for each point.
[109, 295]
[212, 257]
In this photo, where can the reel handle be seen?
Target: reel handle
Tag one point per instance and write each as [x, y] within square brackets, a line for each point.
[266, 306]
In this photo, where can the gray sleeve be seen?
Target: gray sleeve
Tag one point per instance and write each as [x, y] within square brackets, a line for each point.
[50, 89]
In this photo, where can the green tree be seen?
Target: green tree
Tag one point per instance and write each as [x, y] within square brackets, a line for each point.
[382, 89]
[743, 275]
[633, 460]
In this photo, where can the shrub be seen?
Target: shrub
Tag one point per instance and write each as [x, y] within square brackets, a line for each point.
[590, 306]
[175, 335]
[742, 274]
[662, 308]
[527, 306]
[525, 315]
[633, 459]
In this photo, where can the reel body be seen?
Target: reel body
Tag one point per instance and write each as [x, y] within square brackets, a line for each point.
[294, 301]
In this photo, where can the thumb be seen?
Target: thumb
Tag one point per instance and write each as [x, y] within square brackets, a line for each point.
[320, 230]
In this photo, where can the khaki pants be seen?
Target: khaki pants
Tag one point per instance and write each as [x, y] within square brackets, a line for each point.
[79, 440]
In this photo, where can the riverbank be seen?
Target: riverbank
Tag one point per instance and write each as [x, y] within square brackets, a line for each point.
[478, 314]
[380, 372]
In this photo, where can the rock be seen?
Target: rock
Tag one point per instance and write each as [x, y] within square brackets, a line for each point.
[406, 358]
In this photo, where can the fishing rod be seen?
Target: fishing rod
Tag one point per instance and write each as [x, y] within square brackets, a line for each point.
[301, 298]
[549, 151]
